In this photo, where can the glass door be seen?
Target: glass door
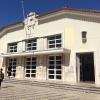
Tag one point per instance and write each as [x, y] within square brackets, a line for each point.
[54, 67]
[30, 67]
[12, 67]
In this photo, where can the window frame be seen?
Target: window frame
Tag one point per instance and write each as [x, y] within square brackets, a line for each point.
[54, 41]
[54, 67]
[29, 67]
[84, 36]
[12, 47]
[12, 62]
[33, 44]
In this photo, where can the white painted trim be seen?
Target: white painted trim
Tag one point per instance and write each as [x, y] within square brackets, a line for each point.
[51, 51]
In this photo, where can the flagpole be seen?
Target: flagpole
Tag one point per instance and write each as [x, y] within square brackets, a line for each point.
[23, 10]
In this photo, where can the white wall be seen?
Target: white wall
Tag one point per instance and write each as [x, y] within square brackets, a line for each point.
[71, 31]
[74, 42]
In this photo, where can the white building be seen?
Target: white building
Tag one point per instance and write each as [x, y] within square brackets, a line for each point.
[60, 45]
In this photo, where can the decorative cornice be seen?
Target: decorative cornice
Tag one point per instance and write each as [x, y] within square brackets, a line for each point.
[11, 27]
[85, 15]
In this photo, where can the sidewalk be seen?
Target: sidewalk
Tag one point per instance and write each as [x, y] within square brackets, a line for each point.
[10, 91]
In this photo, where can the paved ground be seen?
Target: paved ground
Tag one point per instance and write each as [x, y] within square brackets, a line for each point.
[26, 92]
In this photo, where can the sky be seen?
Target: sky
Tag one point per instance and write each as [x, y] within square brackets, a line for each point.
[11, 10]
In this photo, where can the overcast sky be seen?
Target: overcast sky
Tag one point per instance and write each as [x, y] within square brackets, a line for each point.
[11, 10]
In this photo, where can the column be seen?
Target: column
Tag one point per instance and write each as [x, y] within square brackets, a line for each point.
[21, 46]
[41, 68]
[20, 68]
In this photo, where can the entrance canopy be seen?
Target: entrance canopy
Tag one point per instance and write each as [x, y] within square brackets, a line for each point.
[44, 52]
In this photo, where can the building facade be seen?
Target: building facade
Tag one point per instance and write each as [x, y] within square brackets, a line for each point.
[60, 45]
